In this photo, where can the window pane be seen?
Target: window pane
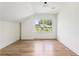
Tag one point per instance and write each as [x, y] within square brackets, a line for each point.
[43, 25]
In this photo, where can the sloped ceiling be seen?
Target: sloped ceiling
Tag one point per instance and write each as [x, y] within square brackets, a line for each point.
[14, 11]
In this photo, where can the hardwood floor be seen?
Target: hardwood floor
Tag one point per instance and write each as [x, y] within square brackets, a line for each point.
[36, 48]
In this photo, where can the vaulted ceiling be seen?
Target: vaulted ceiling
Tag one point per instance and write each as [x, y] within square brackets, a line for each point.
[14, 11]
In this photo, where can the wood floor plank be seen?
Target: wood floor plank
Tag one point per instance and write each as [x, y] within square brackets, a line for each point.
[36, 48]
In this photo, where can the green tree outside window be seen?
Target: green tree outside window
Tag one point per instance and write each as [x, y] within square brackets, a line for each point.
[43, 25]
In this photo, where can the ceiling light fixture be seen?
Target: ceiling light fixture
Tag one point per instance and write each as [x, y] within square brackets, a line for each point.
[45, 4]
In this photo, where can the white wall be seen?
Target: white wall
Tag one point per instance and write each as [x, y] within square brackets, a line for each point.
[68, 27]
[9, 33]
[28, 29]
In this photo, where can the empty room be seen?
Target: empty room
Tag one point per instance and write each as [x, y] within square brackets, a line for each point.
[39, 28]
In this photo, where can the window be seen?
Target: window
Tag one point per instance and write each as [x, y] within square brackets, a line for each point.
[44, 25]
